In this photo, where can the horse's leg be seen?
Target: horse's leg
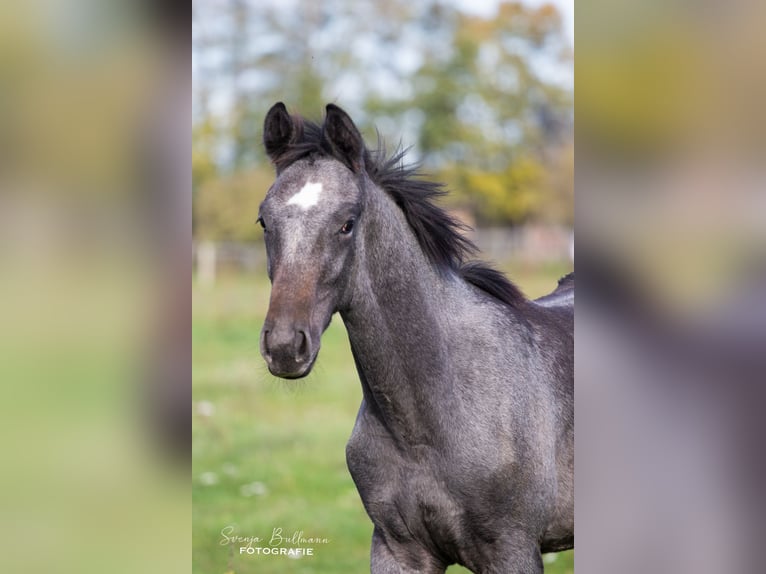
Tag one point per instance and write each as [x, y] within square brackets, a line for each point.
[383, 559]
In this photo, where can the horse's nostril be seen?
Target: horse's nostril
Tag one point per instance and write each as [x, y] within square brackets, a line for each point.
[302, 346]
[266, 350]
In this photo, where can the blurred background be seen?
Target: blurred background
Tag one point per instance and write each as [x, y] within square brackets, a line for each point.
[96, 187]
[95, 214]
[671, 307]
[482, 95]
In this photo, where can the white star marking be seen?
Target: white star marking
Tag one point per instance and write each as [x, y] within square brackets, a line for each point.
[307, 197]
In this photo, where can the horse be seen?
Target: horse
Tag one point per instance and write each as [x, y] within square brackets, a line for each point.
[462, 451]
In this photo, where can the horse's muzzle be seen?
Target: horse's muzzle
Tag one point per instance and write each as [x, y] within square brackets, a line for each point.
[288, 350]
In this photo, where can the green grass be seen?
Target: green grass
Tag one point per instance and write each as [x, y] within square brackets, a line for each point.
[269, 453]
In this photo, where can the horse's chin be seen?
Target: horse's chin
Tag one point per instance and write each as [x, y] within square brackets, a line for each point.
[295, 374]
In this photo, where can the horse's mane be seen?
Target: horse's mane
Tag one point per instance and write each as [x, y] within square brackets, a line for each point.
[439, 234]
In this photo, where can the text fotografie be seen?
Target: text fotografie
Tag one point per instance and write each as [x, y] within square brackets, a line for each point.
[277, 544]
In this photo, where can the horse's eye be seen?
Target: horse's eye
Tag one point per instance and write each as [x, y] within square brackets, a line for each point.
[347, 227]
[260, 222]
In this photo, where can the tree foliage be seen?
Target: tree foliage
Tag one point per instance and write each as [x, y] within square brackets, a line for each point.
[226, 208]
[476, 97]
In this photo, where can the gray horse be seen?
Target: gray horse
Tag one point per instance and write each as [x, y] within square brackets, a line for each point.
[462, 450]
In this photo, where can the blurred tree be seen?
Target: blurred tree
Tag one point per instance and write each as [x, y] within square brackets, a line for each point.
[226, 208]
[478, 95]
[204, 140]
[204, 167]
[559, 198]
[493, 123]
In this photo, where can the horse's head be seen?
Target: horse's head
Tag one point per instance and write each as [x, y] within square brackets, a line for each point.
[311, 218]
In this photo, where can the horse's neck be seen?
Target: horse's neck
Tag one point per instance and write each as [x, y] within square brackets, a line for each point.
[396, 325]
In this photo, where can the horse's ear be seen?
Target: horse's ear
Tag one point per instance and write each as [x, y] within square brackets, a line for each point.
[344, 137]
[278, 131]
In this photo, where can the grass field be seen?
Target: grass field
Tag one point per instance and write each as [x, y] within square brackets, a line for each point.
[269, 454]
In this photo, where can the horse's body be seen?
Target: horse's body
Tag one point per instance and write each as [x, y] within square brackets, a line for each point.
[462, 450]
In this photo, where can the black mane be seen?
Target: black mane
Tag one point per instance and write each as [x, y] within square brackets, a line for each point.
[439, 234]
